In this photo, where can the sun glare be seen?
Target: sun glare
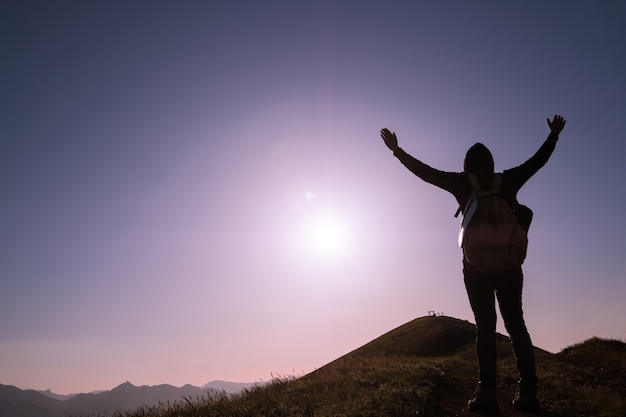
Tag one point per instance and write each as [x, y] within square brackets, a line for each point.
[328, 236]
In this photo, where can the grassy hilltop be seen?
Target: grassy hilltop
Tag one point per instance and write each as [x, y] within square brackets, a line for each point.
[426, 367]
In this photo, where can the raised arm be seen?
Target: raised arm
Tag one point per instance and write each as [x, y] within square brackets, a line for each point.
[520, 174]
[449, 181]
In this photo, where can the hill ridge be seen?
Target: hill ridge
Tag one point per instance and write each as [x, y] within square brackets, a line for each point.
[423, 336]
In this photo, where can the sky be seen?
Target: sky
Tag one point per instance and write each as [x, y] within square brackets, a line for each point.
[193, 191]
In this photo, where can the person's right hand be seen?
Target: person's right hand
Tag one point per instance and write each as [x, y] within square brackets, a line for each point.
[557, 124]
[390, 139]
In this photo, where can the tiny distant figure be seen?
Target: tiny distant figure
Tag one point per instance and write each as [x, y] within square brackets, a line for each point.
[485, 277]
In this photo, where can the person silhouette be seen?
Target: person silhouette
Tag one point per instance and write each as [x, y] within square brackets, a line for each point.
[483, 288]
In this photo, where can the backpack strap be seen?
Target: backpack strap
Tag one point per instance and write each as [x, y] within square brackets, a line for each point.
[496, 182]
[473, 182]
[475, 188]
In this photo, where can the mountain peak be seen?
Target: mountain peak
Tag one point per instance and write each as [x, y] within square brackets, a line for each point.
[126, 384]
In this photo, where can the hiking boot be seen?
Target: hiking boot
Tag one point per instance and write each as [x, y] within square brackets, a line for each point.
[484, 400]
[526, 399]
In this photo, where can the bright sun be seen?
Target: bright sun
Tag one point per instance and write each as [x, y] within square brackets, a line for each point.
[324, 231]
[328, 236]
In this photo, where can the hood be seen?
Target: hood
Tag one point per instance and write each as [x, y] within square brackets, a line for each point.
[478, 160]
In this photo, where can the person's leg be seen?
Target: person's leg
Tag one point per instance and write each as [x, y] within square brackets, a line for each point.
[480, 292]
[509, 293]
[481, 296]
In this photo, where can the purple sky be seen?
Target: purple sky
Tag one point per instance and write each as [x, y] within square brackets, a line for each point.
[197, 190]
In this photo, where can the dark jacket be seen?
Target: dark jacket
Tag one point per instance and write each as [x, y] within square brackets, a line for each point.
[458, 183]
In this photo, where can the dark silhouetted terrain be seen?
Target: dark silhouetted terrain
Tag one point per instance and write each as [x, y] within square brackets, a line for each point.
[426, 367]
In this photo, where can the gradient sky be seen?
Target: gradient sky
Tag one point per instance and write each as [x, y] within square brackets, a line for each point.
[194, 191]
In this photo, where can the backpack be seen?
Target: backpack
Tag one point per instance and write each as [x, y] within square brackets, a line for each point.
[491, 236]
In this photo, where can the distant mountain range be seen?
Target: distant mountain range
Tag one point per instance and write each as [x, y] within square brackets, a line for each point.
[15, 402]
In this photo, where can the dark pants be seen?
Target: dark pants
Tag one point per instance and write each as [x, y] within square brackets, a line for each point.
[482, 289]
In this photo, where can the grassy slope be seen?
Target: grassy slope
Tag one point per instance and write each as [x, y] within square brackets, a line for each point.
[427, 367]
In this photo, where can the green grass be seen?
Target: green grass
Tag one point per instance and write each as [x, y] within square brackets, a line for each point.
[424, 368]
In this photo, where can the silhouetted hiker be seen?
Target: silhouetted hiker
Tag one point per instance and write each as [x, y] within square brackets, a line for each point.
[483, 287]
